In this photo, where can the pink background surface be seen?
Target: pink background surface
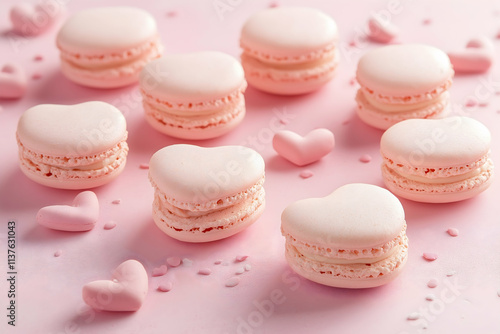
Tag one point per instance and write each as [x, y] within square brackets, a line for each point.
[49, 288]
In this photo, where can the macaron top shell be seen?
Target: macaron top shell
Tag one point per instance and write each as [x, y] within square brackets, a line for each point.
[406, 69]
[194, 174]
[448, 142]
[106, 30]
[192, 78]
[289, 31]
[82, 129]
[355, 216]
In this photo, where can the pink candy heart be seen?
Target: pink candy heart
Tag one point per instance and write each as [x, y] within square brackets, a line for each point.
[32, 20]
[381, 31]
[304, 150]
[13, 81]
[126, 291]
[81, 216]
[476, 58]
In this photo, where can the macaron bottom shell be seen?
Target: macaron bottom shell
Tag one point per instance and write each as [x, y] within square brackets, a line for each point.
[350, 276]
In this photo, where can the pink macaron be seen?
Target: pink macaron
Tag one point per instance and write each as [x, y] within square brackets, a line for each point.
[107, 47]
[194, 96]
[289, 50]
[72, 147]
[437, 161]
[403, 81]
[206, 194]
[353, 238]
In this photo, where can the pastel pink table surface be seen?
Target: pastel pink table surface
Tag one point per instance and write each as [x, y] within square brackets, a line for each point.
[269, 298]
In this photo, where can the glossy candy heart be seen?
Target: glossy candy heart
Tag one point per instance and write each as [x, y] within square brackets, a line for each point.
[382, 31]
[32, 20]
[13, 81]
[477, 57]
[304, 150]
[82, 215]
[126, 291]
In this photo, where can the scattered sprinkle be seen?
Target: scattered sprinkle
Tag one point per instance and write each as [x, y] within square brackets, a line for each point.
[233, 281]
[430, 297]
[205, 271]
[451, 273]
[426, 22]
[58, 253]
[36, 76]
[352, 82]
[218, 262]
[172, 13]
[353, 43]
[347, 121]
[241, 258]
[187, 262]
[497, 92]
[38, 58]
[109, 225]
[483, 104]
[116, 201]
[432, 283]
[453, 232]
[470, 103]
[160, 271]
[273, 4]
[413, 316]
[283, 121]
[174, 261]
[430, 256]
[365, 158]
[240, 271]
[498, 293]
[165, 287]
[248, 267]
[305, 174]
[144, 166]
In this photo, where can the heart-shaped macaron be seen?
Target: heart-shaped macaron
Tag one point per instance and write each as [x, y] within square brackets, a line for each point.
[353, 238]
[32, 20]
[82, 215]
[477, 57]
[304, 150]
[382, 31]
[126, 291]
[13, 81]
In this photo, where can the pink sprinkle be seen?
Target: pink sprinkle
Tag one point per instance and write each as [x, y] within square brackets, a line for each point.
[353, 43]
[240, 271]
[165, 287]
[38, 58]
[497, 92]
[172, 13]
[347, 121]
[144, 166]
[483, 104]
[283, 121]
[432, 283]
[453, 232]
[58, 253]
[110, 225]
[430, 297]
[430, 256]
[470, 103]
[451, 273]
[174, 261]
[498, 35]
[413, 316]
[116, 201]
[305, 174]
[241, 258]
[36, 76]
[205, 271]
[352, 82]
[233, 281]
[218, 262]
[365, 158]
[426, 22]
[273, 4]
[160, 271]
[498, 293]
[248, 267]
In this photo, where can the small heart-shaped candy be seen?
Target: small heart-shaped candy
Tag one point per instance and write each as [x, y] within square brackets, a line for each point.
[205, 194]
[437, 161]
[382, 31]
[82, 215]
[126, 291]
[32, 20]
[476, 58]
[353, 238]
[304, 150]
[13, 81]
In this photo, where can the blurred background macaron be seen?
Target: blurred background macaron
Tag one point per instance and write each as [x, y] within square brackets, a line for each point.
[289, 50]
[107, 47]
